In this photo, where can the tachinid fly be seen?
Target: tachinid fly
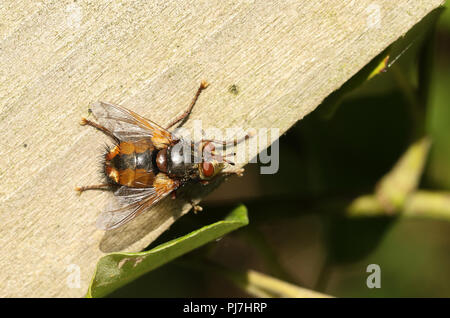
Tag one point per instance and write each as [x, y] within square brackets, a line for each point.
[147, 162]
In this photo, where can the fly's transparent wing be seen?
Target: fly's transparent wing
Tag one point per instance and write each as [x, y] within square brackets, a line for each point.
[121, 212]
[130, 202]
[129, 126]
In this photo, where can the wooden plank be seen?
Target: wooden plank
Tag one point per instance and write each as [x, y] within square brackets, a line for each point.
[56, 57]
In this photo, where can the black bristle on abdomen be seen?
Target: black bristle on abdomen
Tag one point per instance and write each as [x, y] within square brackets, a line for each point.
[102, 166]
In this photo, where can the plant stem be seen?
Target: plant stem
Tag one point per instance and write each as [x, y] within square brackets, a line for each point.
[254, 283]
[397, 184]
[424, 204]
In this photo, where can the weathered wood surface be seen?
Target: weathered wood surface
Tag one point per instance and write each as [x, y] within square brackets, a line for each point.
[56, 57]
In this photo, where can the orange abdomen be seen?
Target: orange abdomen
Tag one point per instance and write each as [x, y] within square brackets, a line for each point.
[131, 164]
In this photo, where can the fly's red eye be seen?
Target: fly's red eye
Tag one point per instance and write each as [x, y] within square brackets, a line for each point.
[208, 169]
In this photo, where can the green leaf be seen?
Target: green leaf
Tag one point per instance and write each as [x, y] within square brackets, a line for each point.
[330, 104]
[117, 269]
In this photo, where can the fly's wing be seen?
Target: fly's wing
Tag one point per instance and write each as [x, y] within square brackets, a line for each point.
[130, 202]
[129, 126]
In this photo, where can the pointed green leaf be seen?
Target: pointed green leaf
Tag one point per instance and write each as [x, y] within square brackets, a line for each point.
[117, 269]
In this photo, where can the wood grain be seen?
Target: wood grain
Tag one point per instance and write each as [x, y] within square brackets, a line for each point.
[57, 57]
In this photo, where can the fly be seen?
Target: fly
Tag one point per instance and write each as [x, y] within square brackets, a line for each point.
[147, 162]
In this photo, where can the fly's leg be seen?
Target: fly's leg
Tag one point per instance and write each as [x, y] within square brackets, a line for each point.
[103, 186]
[238, 172]
[233, 142]
[103, 129]
[225, 144]
[183, 116]
[195, 206]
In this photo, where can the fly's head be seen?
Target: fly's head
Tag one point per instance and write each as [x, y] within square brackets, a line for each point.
[212, 163]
